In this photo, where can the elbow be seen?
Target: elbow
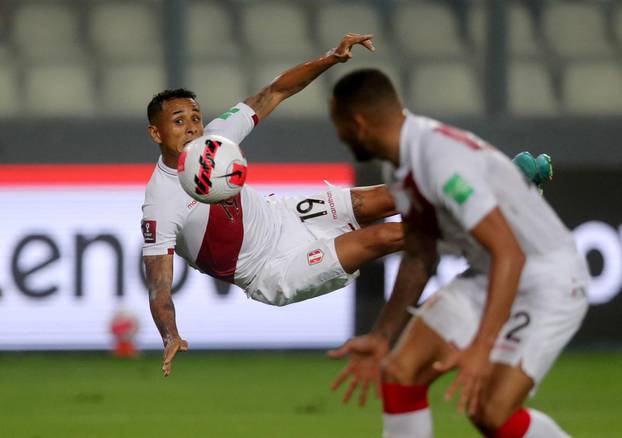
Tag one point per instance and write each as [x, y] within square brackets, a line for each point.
[519, 258]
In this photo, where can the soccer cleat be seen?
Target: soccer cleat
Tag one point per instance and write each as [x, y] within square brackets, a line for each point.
[538, 170]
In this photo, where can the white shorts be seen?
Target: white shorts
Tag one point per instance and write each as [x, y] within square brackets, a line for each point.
[544, 317]
[304, 263]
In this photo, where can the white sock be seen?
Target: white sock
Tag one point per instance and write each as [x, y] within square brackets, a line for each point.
[543, 426]
[415, 424]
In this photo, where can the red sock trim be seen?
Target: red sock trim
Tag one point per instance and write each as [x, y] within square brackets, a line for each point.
[399, 399]
[516, 426]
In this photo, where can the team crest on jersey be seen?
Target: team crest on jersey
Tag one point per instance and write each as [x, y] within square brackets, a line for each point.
[149, 231]
[314, 257]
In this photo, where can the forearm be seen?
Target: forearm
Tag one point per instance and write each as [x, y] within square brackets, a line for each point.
[159, 274]
[411, 279]
[163, 313]
[505, 273]
[289, 83]
[295, 79]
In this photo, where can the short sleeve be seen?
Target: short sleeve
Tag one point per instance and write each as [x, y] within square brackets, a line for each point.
[454, 178]
[159, 231]
[234, 124]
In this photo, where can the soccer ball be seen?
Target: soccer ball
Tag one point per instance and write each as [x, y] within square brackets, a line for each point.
[211, 169]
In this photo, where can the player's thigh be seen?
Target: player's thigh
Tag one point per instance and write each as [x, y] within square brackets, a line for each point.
[305, 272]
[369, 243]
[325, 215]
[372, 203]
[411, 360]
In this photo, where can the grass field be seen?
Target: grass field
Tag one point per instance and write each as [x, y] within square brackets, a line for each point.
[275, 395]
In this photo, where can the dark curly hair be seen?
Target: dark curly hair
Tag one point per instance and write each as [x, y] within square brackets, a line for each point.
[155, 106]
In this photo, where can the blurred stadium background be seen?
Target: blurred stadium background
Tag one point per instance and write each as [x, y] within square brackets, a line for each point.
[75, 78]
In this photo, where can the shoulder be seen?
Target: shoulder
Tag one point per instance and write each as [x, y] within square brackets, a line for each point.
[164, 195]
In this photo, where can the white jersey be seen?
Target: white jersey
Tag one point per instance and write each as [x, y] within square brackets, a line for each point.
[449, 180]
[229, 240]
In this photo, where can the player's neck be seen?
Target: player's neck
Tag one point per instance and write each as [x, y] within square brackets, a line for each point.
[169, 159]
[389, 140]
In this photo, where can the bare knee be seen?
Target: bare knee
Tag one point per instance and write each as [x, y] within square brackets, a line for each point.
[396, 370]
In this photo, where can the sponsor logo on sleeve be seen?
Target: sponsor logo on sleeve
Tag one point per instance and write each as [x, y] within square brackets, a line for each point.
[458, 189]
[314, 257]
[149, 231]
[228, 113]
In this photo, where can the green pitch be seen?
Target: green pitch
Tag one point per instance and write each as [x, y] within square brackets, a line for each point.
[254, 395]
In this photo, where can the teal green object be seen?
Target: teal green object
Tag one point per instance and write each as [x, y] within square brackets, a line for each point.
[527, 164]
[545, 169]
[538, 170]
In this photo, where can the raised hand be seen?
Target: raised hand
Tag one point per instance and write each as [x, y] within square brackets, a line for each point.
[343, 51]
[366, 355]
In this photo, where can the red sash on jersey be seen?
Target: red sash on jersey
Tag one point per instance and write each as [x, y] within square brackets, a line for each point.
[222, 240]
[422, 214]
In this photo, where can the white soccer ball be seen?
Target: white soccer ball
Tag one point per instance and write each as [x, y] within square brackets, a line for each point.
[211, 169]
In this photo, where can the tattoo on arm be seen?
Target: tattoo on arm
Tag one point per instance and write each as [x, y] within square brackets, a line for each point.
[159, 272]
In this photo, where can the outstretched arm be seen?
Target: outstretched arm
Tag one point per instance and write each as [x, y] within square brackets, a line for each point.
[366, 352]
[159, 272]
[295, 79]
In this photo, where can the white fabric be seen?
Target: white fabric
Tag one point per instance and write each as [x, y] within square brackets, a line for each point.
[181, 222]
[434, 157]
[544, 316]
[417, 424]
[304, 263]
[543, 426]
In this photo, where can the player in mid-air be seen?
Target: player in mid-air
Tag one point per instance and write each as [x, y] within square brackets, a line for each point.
[278, 250]
[503, 322]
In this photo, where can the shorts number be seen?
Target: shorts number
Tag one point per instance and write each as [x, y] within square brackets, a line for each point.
[523, 321]
[306, 206]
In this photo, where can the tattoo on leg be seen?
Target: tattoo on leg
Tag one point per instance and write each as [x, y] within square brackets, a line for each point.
[357, 206]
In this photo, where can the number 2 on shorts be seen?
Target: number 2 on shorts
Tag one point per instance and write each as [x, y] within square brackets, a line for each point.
[523, 319]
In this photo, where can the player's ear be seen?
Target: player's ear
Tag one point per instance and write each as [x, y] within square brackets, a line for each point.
[154, 133]
[359, 121]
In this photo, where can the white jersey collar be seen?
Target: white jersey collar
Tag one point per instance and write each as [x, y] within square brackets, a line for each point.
[164, 168]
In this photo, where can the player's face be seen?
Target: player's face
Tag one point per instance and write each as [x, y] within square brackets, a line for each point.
[349, 133]
[179, 123]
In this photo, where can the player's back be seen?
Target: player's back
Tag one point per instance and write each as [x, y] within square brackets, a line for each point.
[537, 227]
[464, 178]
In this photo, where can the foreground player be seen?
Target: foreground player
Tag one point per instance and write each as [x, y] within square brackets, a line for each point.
[278, 250]
[504, 321]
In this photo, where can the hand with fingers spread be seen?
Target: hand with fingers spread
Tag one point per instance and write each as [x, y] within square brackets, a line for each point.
[343, 51]
[171, 347]
[474, 370]
[366, 354]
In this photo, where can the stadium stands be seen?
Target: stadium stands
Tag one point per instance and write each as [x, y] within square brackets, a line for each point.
[437, 86]
[530, 90]
[59, 90]
[126, 87]
[218, 85]
[211, 32]
[433, 50]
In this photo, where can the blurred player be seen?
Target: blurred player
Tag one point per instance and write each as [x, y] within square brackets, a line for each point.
[278, 250]
[505, 320]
